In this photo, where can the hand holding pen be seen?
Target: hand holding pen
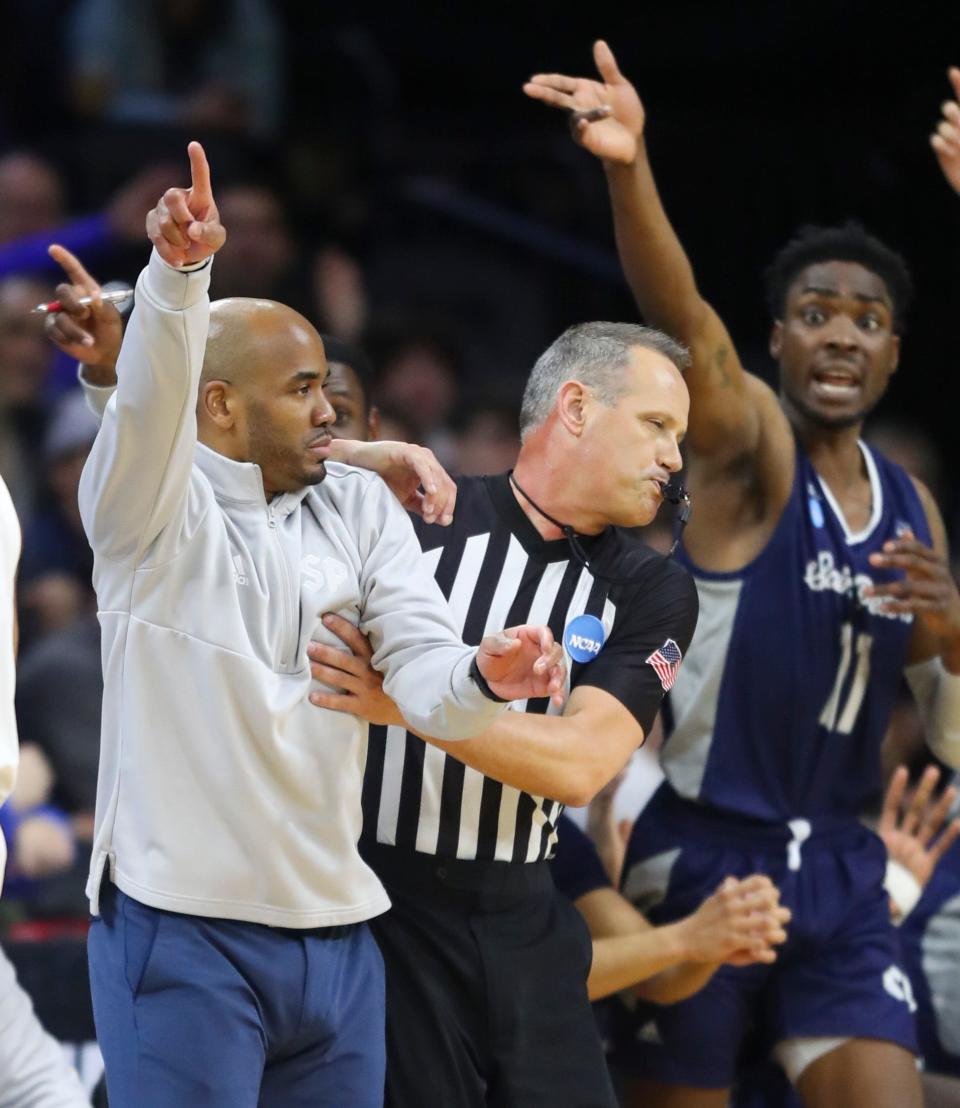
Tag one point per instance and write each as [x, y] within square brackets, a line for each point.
[114, 296]
[85, 324]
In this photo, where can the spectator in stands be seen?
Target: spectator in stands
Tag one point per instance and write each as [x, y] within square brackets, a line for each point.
[24, 368]
[212, 64]
[488, 439]
[55, 573]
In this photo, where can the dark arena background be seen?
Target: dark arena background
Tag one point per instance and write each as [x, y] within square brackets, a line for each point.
[379, 169]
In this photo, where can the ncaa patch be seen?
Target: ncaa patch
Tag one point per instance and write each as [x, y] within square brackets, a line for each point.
[666, 663]
[815, 507]
[584, 638]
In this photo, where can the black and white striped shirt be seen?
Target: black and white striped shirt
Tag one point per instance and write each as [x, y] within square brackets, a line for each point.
[496, 571]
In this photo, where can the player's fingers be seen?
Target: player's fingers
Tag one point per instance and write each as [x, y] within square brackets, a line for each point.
[935, 816]
[913, 588]
[920, 799]
[440, 491]
[948, 132]
[757, 881]
[446, 500]
[915, 605]
[893, 798]
[944, 149]
[348, 633]
[946, 840]
[606, 63]
[553, 98]
[559, 82]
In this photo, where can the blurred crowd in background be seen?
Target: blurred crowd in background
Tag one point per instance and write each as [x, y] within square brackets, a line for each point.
[381, 172]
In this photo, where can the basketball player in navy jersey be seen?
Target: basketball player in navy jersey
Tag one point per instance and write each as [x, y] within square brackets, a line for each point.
[822, 578]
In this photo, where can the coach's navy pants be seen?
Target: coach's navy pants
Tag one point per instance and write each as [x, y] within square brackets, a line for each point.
[193, 1011]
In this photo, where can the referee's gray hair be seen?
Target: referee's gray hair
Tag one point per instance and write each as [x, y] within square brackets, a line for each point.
[596, 355]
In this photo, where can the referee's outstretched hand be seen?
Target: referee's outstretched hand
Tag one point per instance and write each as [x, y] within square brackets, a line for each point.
[185, 225]
[523, 662]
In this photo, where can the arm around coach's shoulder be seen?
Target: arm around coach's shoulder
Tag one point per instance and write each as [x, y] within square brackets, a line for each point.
[728, 406]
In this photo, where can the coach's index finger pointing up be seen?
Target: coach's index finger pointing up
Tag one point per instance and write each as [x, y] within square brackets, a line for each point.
[185, 225]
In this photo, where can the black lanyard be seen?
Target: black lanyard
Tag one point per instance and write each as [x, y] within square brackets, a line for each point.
[678, 497]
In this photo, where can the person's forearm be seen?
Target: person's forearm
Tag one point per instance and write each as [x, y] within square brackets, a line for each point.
[677, 983]
[655, 264]
[653, 962]
[543, 755]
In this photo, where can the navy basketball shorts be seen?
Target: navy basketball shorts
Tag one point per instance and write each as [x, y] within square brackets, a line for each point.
[840, 974]
[931, 950]
[486, 987]
[225, 1014]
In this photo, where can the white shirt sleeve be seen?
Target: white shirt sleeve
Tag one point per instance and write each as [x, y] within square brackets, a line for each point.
[135, 483]
[424, 661]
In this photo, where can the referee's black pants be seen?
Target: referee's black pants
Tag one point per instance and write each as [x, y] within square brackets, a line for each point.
[486, 987]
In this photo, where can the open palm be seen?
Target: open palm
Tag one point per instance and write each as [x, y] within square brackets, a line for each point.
[614, 137]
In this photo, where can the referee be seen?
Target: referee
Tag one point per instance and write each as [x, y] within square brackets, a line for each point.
[486, 964]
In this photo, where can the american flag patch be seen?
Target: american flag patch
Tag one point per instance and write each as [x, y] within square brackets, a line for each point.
[666, 661]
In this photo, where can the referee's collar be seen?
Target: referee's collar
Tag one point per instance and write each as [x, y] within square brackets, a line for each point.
[545, 550]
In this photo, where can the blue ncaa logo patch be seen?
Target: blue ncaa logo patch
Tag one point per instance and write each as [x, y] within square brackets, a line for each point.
[816, 508]
[584, 638]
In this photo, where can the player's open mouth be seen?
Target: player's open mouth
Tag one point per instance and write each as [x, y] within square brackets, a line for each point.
[836, 384]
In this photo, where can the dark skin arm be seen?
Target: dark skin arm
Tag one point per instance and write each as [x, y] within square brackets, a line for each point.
[728, 405]
[927, 590]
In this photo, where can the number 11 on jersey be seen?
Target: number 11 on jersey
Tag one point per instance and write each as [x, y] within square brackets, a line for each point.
[837, 716]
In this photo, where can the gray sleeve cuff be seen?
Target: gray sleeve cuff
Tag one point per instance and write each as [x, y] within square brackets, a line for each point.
[176, 288]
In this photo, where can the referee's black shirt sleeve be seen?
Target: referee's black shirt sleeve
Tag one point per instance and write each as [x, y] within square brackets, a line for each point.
[665, 606]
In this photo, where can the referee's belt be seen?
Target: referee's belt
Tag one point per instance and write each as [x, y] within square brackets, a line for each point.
[477, 881]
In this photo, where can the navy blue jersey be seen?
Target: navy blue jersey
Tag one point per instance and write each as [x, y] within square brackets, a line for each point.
[781, 705]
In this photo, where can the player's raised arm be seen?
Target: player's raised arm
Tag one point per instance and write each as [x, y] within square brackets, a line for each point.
[726, 402]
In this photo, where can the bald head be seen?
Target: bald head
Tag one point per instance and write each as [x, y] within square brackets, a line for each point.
[261, 393]
[251, 340]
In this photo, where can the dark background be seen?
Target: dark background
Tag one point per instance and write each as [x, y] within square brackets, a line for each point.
[406, 137]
